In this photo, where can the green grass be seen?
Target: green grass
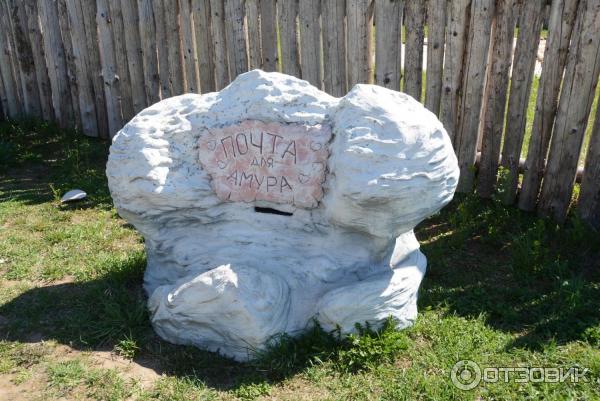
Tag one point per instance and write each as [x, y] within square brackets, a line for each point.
[503, 288]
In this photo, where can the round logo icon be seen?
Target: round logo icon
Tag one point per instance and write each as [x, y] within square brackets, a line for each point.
[465, 375]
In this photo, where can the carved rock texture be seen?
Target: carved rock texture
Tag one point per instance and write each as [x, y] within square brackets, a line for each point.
[223, 276]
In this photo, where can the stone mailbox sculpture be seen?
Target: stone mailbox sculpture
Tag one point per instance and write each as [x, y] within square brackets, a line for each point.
[270, 204]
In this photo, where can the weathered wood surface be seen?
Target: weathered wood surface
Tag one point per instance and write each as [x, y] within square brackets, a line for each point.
[520, 90]
[236, 37]
[310, 41]
[85, 90]
[56, 62]
[473, 81]
[14, 58]
[388, 42]
[495, 95]
[290, 56]
[11, 96]
[161, 47]
[174, 50]
[253, 27]
[456, 29]
[188, 45]
[589, 194]
[268, 38]
[149, 53]
[577, 95]
[562, 18]
[123, 82]
[63, 20]
[25, 60]
[206, 66]
[334, 48]
[358, 42]
[217, 12]
[413, 61]
[133, 46]
[88, 9]
[109, 68]
[436, 23]
[39, 59]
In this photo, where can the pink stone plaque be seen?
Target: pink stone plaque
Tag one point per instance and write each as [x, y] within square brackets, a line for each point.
[275, 162]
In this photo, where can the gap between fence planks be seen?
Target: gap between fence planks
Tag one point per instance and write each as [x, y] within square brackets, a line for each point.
[495, 95]
[520, 90]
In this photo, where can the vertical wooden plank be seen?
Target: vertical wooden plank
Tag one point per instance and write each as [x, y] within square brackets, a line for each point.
[268, 32]
[109, 68]
[358, 33]
[3, 101]
[188, 39]
[94, 65]
[290, 60]
[577, 95]
[456, 35]
[495, 96]
[39, 59]
[174, 52]
[334, 47]
[562, 18]
[436, 23]
[236, 37]
[56, 61]
[217, 12]
[589, 195]
[8, 78]
[475, 64]
[133, 46]
[520, 90]
[147, 29]
[122, 82]
[310, 41]
[253, 22]
[12, 49]
[413, 53]
[25, 60]
[204, 44]
[162, 46]
[85, 91]
[65, 28]
[388, 43]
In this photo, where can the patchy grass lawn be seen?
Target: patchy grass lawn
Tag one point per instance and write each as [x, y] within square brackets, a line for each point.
[503, 289]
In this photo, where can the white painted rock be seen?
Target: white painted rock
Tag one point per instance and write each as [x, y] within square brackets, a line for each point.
[271, 204]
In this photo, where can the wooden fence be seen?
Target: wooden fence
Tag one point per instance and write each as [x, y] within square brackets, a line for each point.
[93, 64]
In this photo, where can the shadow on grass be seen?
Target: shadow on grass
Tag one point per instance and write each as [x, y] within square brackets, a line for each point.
[39, 162]
[102, 314]
[526, 275]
